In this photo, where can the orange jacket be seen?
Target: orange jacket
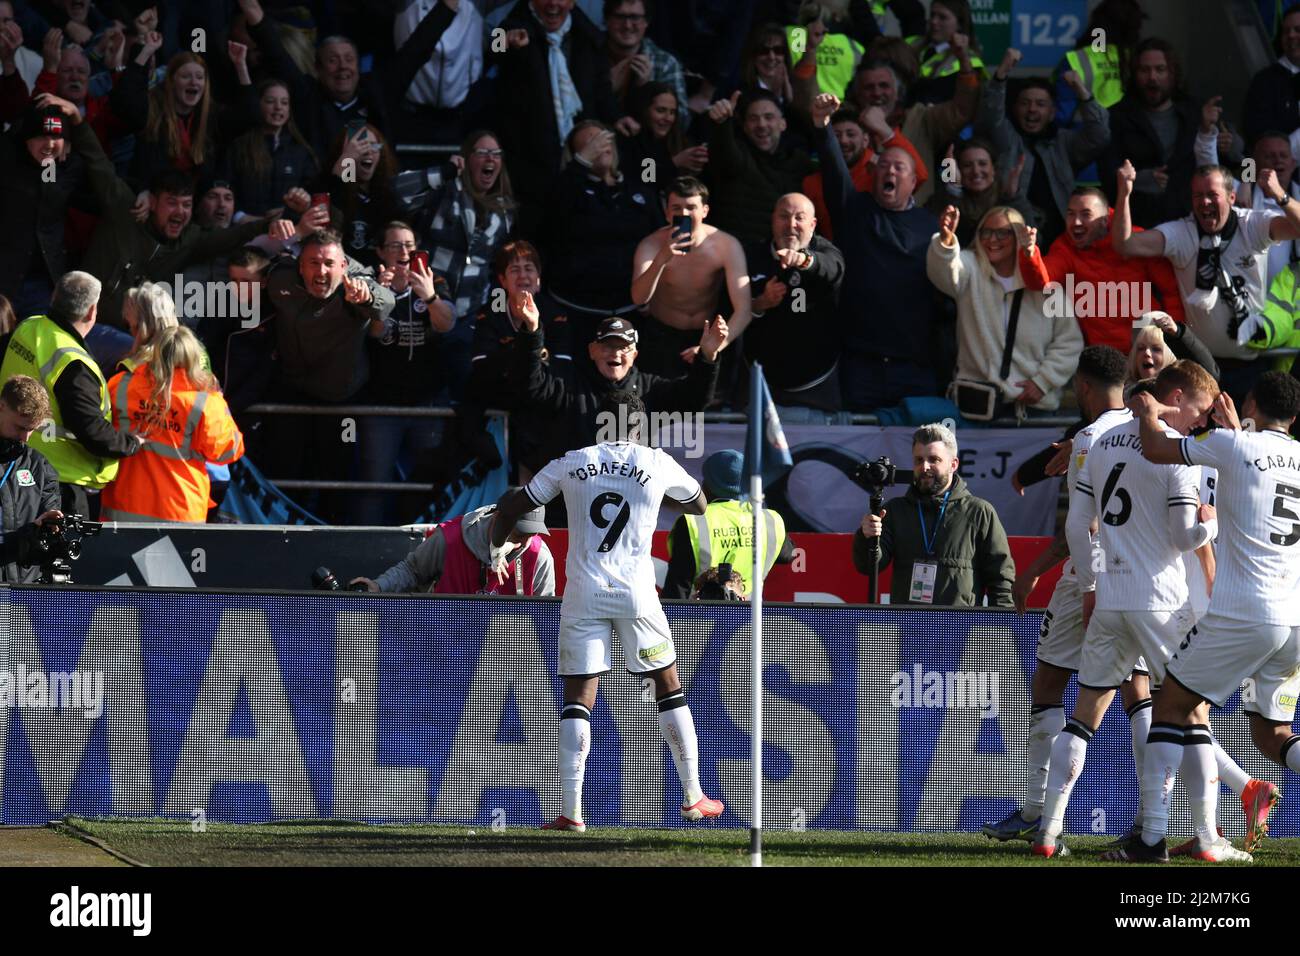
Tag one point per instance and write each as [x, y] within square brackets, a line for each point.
[863, 175]
[167, 480]
[1105, 280]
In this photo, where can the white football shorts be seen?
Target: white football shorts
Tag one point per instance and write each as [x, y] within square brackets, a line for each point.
[1060, 639]
[1221, 653]
[1117, 641]
[586, 644]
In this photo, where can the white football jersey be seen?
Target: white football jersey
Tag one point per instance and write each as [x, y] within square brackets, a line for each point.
[1196, 593]
[1258, 501]
[1083, 440]
[612, 492]
[1138, 567]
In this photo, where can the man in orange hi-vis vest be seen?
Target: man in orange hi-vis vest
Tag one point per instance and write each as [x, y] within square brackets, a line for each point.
[176, 406]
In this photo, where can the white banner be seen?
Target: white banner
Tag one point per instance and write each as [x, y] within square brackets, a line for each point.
[818, 495]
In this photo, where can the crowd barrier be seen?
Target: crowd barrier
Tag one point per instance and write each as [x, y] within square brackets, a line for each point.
[257, 706]
[225, 557]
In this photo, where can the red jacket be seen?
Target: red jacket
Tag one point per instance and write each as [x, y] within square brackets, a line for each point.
[1105, 284]
[863, 175]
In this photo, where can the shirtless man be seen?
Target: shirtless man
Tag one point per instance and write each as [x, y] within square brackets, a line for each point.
[680, 277]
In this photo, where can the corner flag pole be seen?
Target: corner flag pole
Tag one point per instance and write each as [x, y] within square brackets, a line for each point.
[756, 625]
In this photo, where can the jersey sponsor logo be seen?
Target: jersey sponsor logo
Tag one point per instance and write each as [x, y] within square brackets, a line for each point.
[654, 650]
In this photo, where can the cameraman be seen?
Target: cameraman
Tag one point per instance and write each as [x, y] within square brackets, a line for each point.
[456, 559]
[722, 583]
[948, 547]
[29, 485]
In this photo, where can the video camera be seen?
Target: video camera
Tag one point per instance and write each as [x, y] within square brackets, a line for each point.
[55, 544]
[323, 579]
[722, 583]
[874, 477]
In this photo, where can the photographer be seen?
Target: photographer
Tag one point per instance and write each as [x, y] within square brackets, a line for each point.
[456, 558]
[29, 486]
[722, 583]
[948, 547]
[724, 533]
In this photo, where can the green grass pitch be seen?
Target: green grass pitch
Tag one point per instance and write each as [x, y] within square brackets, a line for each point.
[175, 843]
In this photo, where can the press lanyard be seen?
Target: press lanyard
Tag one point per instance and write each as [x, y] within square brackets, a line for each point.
[927, 540]
[7, 470]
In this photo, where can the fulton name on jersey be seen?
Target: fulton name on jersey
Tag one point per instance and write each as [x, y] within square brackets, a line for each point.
[1119, 439]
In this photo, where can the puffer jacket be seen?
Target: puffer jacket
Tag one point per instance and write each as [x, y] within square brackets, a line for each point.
[31, 490]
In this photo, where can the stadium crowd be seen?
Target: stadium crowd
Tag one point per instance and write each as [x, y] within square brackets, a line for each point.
[883, 220]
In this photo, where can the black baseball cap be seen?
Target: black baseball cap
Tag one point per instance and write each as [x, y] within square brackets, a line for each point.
[616, 328]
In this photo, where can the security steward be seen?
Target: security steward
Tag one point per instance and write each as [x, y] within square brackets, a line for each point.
[29, 487]
[79, 440]
[724, 533]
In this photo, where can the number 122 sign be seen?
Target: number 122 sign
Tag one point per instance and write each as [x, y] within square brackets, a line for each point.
[1042, 30]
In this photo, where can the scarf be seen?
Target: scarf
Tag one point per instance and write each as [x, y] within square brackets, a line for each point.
[564, 95]
[1212, 278]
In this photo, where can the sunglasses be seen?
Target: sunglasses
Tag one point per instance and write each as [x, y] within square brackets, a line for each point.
[1002, 235]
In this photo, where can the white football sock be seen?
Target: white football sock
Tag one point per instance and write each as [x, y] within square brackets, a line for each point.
[1139, 725]
[1045, 723]
[575, 743]
[1068, 755]
[1159, 770]
[1230, 772]
[678, 728]
[1201, 778]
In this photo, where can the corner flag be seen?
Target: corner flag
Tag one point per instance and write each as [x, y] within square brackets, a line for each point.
[767, 458]
[766, 450]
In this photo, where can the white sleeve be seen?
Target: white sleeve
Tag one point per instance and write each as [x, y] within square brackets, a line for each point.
[1078, 525]
[1213, 448]
[1181, 245]
[1255, 227]
[546, 484]
[678, 485]
[1184, 495]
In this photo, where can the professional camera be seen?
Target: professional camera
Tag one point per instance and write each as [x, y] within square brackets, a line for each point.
[874, 477]
[722, 583]
[323, 579]
[55, 544]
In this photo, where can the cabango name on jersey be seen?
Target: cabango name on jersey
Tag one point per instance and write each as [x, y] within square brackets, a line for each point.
[1277, 461]
[619, 469]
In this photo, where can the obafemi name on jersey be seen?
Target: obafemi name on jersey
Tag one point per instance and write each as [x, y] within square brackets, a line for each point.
[612, 492]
